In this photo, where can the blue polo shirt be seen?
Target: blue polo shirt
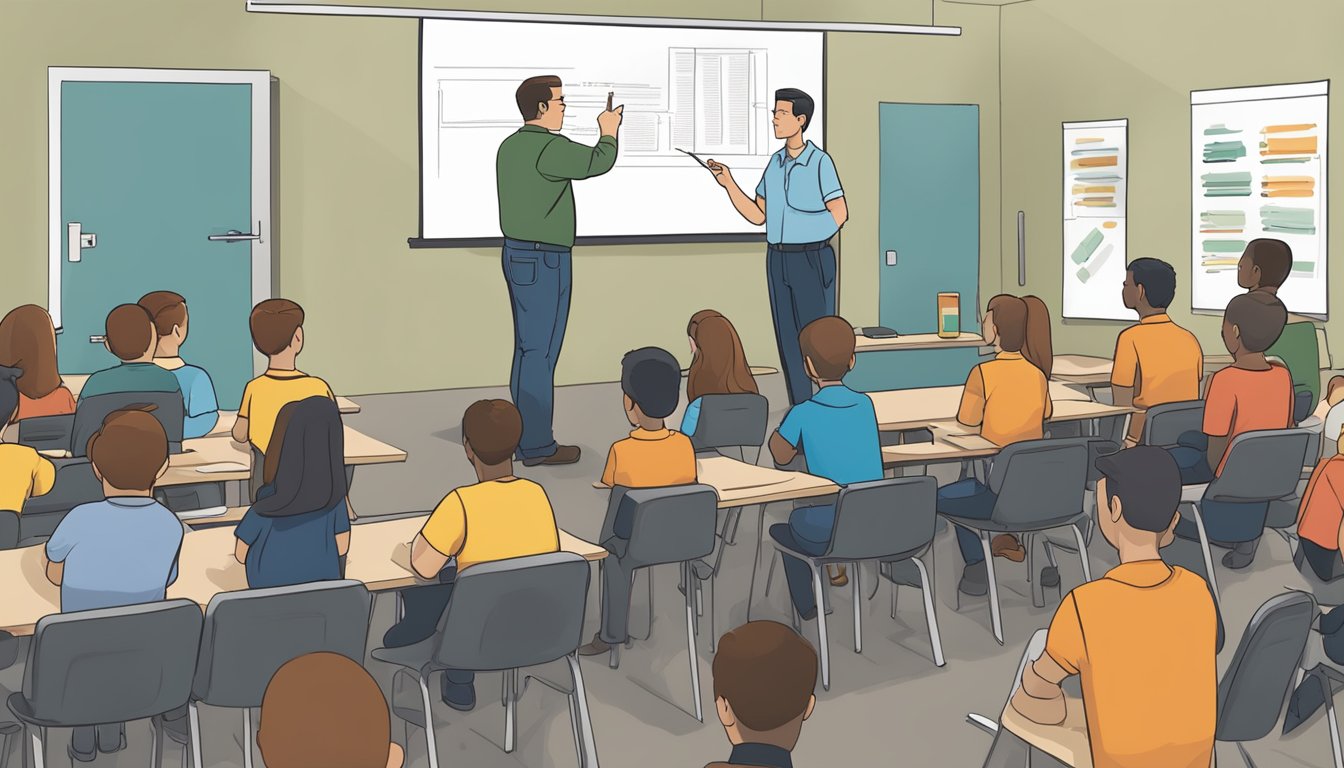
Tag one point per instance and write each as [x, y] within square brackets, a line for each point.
[796, 191]
[837, 430]
[119, 551]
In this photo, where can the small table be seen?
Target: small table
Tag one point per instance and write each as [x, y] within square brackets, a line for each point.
[915, 341]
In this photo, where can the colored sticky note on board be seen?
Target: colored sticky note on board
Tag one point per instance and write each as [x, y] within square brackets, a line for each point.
[1087, 247]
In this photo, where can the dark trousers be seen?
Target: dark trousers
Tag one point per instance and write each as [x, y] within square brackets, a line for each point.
[808, 531]
[539, 278]
[422, 609]
[1192, 458]
[802, 289]
[971, 499]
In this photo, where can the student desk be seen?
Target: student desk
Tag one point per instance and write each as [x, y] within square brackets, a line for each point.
[905, 409]
[1066, 742]
[915, 341]
[1083, 370]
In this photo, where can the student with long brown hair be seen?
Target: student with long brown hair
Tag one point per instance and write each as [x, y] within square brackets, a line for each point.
[28, 342]
[718, 364]
[1008, 400]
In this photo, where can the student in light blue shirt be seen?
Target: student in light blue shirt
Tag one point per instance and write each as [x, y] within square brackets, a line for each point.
[168, 310]
[837, 429]
[718, 364]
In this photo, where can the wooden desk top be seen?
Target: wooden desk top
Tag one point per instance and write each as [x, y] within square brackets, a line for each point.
[1066, 742]
[900, 409]
[741, 485]
[360, 449]
[1082, 369]
[942, 449]
[75, 382]
[915, 341]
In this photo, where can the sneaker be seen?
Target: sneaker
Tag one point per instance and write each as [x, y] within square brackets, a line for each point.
[1007, 546]
[1049, 577]
[459, 696]
[595, 648]
[974, 580]
[564, 454]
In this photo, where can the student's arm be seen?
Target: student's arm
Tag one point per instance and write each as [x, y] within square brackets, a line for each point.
[342, 529]
[565, 159]
[832, 192]
[972, 410]
[751, 209]
[785, 441]
[426, 561]
[240, 429]
[1124, 370]
[58, 547]
[55, 572]
[244, 411]
[44, 476]
[691, 419]
[441, 538]
[609, 471]
[202, 407]
[1041, 699]
[1220, 404]
[1311, 489]
[782, 450]
[246, 534]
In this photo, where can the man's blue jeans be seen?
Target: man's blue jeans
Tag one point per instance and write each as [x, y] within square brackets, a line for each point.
[539, 277]
[808, 531]
[802, 289]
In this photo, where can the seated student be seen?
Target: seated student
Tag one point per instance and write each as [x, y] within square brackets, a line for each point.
[500, 517]
[1320, 521]
[837, 429]
[130, 335]
[28, 342]
[277, 332]
[298, 529]
[119, 551]
[718, 364]
[1142, 637]
[1250, 394]
[169, 312]
[324, 709]
[1265, 265]
[1008, 400]
[764, 678]
[24, 472]
[1156, 361]
[653, 456]
[1331, 415]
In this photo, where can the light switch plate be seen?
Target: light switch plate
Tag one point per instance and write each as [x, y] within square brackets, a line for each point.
[891, 258]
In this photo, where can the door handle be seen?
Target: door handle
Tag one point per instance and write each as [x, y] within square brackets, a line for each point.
[234, 236]
[77, 240]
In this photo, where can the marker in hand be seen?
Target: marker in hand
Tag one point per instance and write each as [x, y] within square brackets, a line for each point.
[610, 94]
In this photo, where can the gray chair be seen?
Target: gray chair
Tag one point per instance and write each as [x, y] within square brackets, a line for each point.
[1164, 424]
[250, 634]
[1096, 448]
[75, 484]
[893, 522]
[90, 412]
[732, 422]
[9, 529]
[108, 666]
[47, 433]
[1038, 486]
[504, 616]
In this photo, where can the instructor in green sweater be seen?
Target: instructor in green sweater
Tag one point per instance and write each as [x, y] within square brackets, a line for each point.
[535, 171]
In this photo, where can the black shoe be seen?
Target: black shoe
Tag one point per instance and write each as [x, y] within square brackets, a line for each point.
[809, 616]
[564, 454]
[974, 580]
[83, 744]
[1049, 577]
[1305, 701]
[1241, 556]
[460, 696]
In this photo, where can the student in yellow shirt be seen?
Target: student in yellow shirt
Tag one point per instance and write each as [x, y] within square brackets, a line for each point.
[653, 456]
[500, 517]
[277, 332]
[1156, 361]
[1142, 638]
[23, 471]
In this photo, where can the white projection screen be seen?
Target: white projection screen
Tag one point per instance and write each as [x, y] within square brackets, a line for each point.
[708, 91]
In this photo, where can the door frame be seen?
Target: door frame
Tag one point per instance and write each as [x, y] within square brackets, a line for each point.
[260, 80]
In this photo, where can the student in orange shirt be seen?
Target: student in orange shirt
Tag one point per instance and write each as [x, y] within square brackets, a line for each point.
[1320, 522]
[1156, 361]
[653, 456]
[1143, 638]
[1008, 400]
[28, 342]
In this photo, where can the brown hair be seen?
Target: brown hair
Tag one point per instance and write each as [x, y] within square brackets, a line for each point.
[1274, 259]
[767, 672]
[129, 449]
[829, 343]
[28, 342]
[273, 323]
[535, 91]
[1023, 325]
[166, 309]
[493, 428]
[1259, 318]
[130, 331]
[719, 366]
[324, 709]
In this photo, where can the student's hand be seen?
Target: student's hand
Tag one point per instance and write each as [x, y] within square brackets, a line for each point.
[721, 174]
[610, 121]
[1042, 711]
[401, 555]
[601, 486]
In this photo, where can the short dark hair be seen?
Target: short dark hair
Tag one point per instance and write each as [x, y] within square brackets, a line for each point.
[829, 343]
[803, 105]
[273, 324]
[493, 428]
[1157, 278]
[1148, 484]
[767, 672]
[1259, 318]
[130, 331]
[651, 377]
[1273, 257]
[534, 91]
[129, 449]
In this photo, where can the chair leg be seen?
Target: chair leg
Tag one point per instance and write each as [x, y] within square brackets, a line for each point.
[1029, 541]
[713, 633]
[588, 754]
[1082, 540]
[431, 746]
[690, 652]
[1336, 751]
[37, 741]
[770, 574]
[1208, 555]
[155, 746]
[194, 734]
[858, 610]
[1245, 756]
[995, 620]
[894, 591]
[510, 711]
[574, 727]
[818, 591]
[247, 737]
[930, 615]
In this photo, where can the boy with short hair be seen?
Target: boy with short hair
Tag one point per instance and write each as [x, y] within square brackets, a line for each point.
[130, 335]
[1143, 638]
[1265, 265]
[277, 332]
[500, 517]
[653, 456]
[1156, 361]
[764, 678]
[837, 429]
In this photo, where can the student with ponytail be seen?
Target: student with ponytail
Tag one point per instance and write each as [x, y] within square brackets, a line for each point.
[1008, 400]
[718, 366]
[23, 471]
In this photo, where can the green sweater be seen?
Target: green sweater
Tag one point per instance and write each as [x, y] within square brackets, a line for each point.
[1297, 349]
[534, 174]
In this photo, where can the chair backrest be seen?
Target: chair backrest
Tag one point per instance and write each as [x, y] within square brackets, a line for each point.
[91, 411]
[112, 665]
[47, 433]
[1252, 692]
[884, 517]
[1164, 424]
[1038, 481]
[731, 421]
[9, 529]
[1314, 426]
[671, 525]
[514, 613]
[1261, 465]
[1301, 405]
[250, 634]
[75, 484]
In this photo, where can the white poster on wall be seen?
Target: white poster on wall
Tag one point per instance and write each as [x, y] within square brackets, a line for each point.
[1258, 169]
[1096, 163]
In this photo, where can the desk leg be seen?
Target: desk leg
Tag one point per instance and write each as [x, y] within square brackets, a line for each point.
[756, 563]
[233, 493]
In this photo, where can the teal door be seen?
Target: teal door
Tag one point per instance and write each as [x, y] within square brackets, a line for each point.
[150, 170]
[929, 216]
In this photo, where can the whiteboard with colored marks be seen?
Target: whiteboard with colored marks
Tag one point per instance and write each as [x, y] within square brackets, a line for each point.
[1096, 186]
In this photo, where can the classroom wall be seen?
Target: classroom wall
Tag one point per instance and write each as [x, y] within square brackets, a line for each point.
[1066, 60]
[383, 317]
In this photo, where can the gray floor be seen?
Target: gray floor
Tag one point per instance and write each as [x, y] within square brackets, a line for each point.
[888, 706]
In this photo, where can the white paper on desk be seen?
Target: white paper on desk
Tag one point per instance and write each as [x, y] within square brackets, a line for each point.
[969, 442]
[744, 476]
[193, 514]
[222, 467]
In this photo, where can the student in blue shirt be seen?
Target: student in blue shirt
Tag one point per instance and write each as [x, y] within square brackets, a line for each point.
[119, 551]
[299, 528]
[718, 364]
[168, 310]
[837, 429]
[130, 335]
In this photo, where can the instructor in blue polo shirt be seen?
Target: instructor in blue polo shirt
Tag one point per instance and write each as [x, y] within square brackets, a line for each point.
[806, 207]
